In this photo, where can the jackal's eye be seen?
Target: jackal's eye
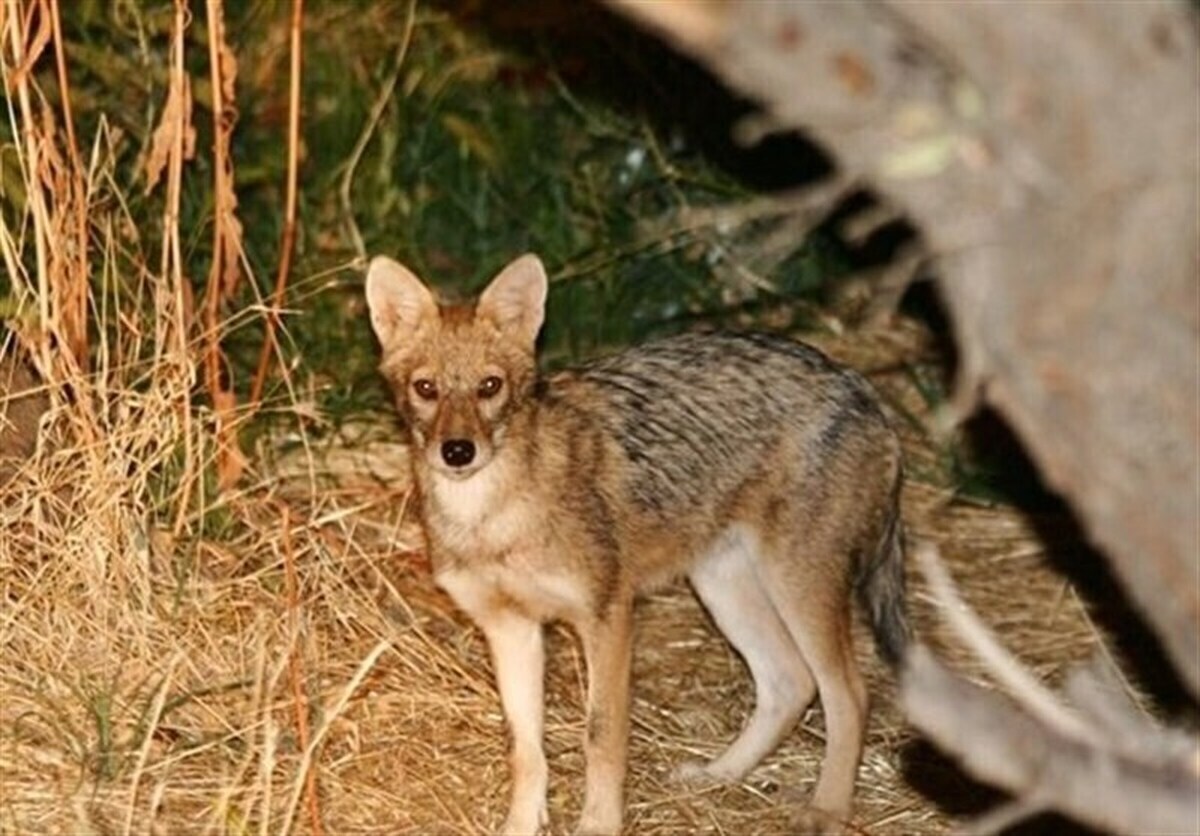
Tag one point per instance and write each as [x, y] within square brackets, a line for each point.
[426, 389]
[490, 386]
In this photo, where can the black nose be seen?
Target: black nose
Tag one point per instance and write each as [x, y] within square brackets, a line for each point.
[458, 452]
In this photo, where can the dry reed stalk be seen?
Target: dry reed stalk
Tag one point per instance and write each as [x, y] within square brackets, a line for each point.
[74, 305]
[287, 243]
[224, 272]
[296, 668]
[92, 672]
[56, 198]
[24, 49]
[156, 712]
[174, 141]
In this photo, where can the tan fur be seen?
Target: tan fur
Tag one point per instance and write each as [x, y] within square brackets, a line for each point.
[755, 467]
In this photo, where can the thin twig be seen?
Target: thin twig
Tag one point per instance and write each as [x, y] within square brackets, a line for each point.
[1019, 683]
[1003, 816]
[288, 242]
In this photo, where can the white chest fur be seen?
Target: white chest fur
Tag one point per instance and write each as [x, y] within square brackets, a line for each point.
[480, 590]
[493, 525]
[485, 514]
[466, 502]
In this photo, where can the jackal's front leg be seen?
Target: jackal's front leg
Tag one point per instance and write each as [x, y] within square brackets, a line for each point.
[516, 644]
[607, 646]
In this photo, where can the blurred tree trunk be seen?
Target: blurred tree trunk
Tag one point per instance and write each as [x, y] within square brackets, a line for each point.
[1048, 152]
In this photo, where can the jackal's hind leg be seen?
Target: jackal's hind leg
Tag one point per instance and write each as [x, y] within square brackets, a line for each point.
[820, 626]
[727, 583]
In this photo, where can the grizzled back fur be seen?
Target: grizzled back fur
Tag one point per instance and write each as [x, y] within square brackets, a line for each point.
[699, 414]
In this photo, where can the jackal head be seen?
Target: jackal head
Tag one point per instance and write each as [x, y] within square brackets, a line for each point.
[457, 372]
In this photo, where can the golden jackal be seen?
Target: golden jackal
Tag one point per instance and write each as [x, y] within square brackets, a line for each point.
[749, 463]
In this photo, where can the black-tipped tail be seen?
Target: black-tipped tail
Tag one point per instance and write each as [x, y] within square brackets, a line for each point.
[881, 587]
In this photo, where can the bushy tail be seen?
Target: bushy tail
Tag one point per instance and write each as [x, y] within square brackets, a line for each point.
[881, 587]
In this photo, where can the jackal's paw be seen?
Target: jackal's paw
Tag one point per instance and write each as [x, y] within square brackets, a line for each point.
[700, 773]
[525, 822]
[813, 821]
[595, 823]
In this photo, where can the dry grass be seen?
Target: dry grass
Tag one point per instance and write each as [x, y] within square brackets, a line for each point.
[146, 676]
[157, 640]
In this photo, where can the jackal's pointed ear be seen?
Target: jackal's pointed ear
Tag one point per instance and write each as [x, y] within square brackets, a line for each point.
[516, 299]
[397, 299]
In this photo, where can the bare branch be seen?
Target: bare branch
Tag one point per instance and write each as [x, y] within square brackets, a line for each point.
[1083, 778]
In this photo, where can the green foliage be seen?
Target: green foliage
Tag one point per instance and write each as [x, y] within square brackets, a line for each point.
[519, 127]
[486, 149]
[486, 152]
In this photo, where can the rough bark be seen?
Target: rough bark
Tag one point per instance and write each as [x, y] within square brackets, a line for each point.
[1048, 152]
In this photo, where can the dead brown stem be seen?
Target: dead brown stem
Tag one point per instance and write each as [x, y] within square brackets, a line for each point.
[74, 303]
[35, 40]
[296, 670]
[174, 141]
[223, 273]
[23, 55]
